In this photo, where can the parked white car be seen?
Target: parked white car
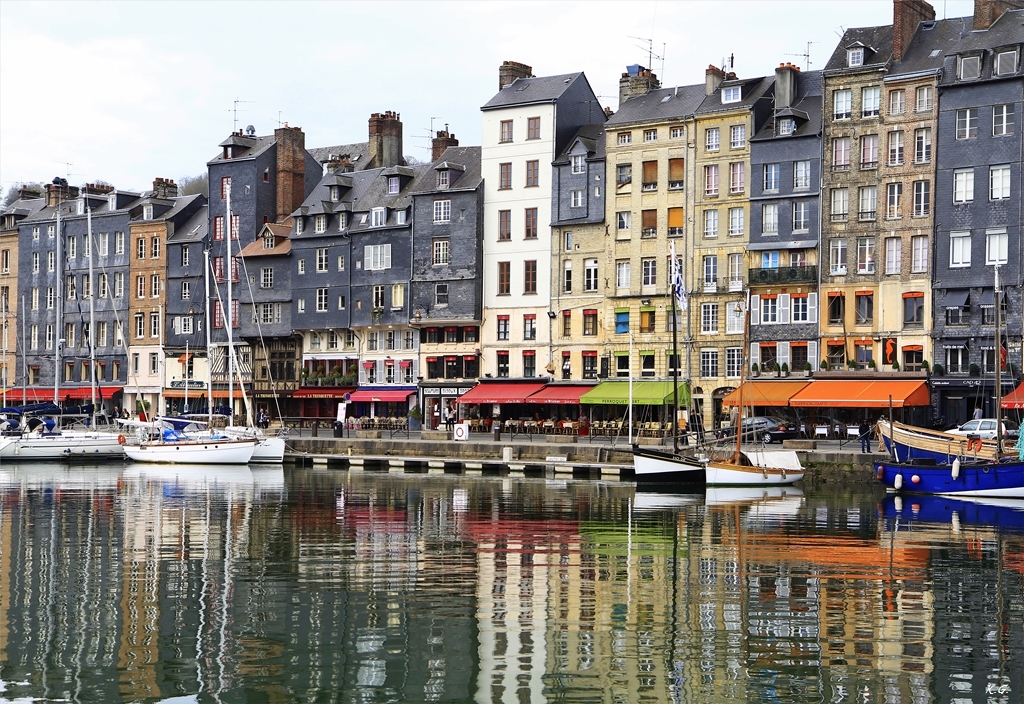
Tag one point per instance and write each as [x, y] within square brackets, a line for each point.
[985, 428]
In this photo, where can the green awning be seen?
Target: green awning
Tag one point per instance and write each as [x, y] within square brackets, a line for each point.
[645, 393]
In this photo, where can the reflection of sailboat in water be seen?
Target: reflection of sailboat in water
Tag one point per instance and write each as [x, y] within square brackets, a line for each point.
[194, 478]
[29, 475]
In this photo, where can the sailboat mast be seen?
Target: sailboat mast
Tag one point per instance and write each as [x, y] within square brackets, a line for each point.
[228, 317]
[92, 315]
[209, 359]
[59, 308]
[675, 352]
[999, 365]
[743, 376]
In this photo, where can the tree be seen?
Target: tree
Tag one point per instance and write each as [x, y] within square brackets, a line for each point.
[15, 190]
[190, 185]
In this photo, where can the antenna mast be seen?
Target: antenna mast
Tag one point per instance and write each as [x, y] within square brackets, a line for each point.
[234, 113]
[806, 56]
[651, 56]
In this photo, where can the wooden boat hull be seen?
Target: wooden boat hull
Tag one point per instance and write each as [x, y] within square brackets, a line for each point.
[651, 465]
[201, 452]
[986, 479]
[909, 443]
[764, 469]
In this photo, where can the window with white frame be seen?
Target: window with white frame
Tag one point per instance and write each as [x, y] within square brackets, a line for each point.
[923, 99]
[732, 94]
[442, 210]
[320, 223]
[579, 163]
[870, 97]
[770, 260]
[397, 296]
[378, 217]
[865, 255]
[737, 174]
[868, 198]
[896, 148]
[267, 277]
[893, 199]
[1002, 120]
[322, 259]
[893, 255]
[676, 133]
[622, 274]
[969, 67]
[996, 246]
[787, 126]
[708, 363]
[772, 176]
[576, 198]
[959, 249]
[922, 198]
[769, 309]
[341, 262]
[440, 249]
[967, 123]
[999, 182]
[118, 284]
[963, 185]
[799, 307]
[154, 285]
[919, 254]
[733, 362]
[711, 223]
[842, 104]
[1006, 62]
[440, 294]
[650, 135]
[736, 225]
[394, 185]
[625, 138]
[735, 264]
[590, 274]
[801, 174]
[734, 318]
[855, 57]
[709, 319]
[567, 276]
[801, 216]
[377, 257]
[923, 145]
[301, 266]
[738, 136]
[770, 219]
[837, 256]
[648, 272]
[624, 219]
[710, 271]
[897, 102]
[712, 139]
[711, 180]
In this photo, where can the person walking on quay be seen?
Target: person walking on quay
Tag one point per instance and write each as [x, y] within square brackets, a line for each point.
[864, 433]
[977, 413]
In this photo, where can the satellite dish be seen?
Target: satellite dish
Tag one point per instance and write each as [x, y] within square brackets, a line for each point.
[250, 131]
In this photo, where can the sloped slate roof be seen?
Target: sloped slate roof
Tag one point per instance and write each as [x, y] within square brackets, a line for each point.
[524, 91]
[659, 105]
[878, 40]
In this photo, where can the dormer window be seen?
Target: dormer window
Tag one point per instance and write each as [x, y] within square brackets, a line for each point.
[335, 194]
[732, 94]
[970, 67]
[228, 152]
[787, 126]
[400, 217]
[147, 212]
[443, 179]
[1006, 63]
[112, 201]
[342, 220]
[81, 206]
[298, 225]
[855, 57]
[268, 241]
[394, 185]
[378, 217]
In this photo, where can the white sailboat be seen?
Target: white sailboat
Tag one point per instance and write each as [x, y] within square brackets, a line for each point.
[46, 443]
[159, 442]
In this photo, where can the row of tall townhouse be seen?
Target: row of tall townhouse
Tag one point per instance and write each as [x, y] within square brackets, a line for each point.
[546, 251]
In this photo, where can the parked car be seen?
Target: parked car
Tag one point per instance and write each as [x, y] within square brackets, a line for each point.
[985, 428]
[764, 428]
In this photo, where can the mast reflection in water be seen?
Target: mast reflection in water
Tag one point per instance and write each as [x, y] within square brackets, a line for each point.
[253, 585]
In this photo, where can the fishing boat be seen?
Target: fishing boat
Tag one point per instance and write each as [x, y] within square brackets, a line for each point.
[907, 443]
[998, 477]
[655, 465]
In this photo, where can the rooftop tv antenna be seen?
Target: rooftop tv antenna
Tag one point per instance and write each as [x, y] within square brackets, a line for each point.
[430, 135]
[234, 113]
[651, 56]
[806, 55]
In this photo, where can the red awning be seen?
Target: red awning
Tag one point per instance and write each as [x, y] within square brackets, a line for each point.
[322, 392]
[1013, 400]
[500, 393]
[562, 394]
[369, 396]
[85, 392]
[15, 396]
[185, 357]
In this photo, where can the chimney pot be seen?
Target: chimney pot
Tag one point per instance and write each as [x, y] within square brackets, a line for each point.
[509, 71]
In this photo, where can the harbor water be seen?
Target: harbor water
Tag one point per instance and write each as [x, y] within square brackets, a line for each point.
[268, 584]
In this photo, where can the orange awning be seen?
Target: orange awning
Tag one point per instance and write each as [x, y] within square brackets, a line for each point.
[854, 393]
[1015, 399]
[765, 393]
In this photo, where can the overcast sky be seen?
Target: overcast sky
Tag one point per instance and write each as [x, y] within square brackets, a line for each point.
[127, 91]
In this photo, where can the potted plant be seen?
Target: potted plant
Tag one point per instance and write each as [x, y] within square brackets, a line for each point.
[777, 369]
[924, 365]
[938, 370]
[808, 369]
[851, 364]
[895, 366]
[872, 365]
[416, 418]
[785, 369]
[824, 365]
[974, 370]
[755, 370]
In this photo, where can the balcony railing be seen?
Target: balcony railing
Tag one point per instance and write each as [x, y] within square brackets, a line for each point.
[784, 275]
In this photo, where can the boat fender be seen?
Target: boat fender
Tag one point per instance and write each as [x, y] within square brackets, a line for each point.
[956, 468]
[897, 483]
[121, 440]
[915, 479]
[879, 473]
[783, 474]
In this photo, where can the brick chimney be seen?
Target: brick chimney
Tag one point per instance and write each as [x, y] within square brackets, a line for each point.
[291, 170]
[385, 140]
[509, 71]
[29, 193]
[442, 141]
[59, 191]
[906, 15]
[713, 78]
[97, 189]
[785, 85]
[986, 12]
[165, 188]
[340, 165]
[637, 80]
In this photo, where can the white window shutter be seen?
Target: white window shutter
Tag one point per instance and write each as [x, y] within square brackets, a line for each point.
[755, 353]
[380, 371]
[784, 308]
[812, 352]
[387, 256]
[368, 257]
[812, 314]
[177, 324]
[755, 310]
[783, 349]
[362, 374]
